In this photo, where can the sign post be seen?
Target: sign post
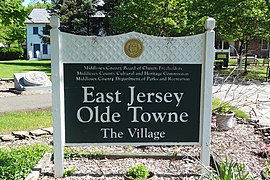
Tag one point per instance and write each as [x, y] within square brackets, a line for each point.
[57, 97]
[131, 89]
[207, 79]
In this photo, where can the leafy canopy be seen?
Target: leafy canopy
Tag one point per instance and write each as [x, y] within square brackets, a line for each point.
[12, 16]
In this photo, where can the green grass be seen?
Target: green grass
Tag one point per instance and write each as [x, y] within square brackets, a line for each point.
[258, 72]
[25, 121]
[8, 68]
[233, 61]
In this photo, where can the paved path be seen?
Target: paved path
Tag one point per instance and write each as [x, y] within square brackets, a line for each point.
[25, 102]
[254, 99]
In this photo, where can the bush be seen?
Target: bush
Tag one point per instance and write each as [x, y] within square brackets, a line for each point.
[18, 162]
[138, 172]
[10, 53]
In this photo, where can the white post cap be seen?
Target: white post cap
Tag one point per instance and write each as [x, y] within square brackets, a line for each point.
[54, 21]
[210, 24]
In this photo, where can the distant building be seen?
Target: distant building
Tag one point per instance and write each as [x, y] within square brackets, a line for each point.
[256, 47]
[260, 48]
[37, 24]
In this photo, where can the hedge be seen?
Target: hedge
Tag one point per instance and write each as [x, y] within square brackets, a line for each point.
[7, 53]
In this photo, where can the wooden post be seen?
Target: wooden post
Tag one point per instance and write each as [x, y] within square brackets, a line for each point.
[57, 97]
[207, 81]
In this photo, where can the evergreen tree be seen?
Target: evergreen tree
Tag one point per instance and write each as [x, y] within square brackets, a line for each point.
[160, 18]
[76, 16]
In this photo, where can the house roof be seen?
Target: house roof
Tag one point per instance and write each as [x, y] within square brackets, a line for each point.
[38, 16]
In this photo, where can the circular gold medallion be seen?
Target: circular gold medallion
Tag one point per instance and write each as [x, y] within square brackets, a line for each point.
[133, 48]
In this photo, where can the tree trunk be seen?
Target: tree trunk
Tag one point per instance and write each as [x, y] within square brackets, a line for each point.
[88, 23]
[240, 55]
[246, 60]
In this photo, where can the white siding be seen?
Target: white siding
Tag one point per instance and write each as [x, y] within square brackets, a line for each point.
[35, 39]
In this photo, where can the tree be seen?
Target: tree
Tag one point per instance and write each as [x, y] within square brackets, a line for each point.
[12, 16]
[107, 9]
[242, 22]
[76, 16]
[160, 18]
[267, 24]
[237, 20]
[85, 17]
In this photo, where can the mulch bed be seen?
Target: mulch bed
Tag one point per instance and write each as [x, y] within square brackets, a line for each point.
[241, 144]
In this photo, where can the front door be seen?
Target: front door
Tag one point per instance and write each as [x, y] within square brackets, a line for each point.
[36, 48]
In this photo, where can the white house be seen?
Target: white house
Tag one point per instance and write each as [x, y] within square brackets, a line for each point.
[36, 25]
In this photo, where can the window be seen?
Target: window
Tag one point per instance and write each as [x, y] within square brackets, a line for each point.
[35, 30]
[45, 48]
[46, 30]
[265, 45]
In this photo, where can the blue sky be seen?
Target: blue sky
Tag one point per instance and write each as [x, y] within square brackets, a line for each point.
[26, 2]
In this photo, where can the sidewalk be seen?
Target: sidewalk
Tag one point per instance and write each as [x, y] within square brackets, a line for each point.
[25, 102]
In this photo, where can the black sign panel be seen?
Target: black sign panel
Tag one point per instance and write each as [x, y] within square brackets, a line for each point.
[223, 56]
[132, 103]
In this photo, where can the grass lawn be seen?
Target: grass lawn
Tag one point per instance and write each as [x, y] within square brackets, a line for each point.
[19, 66]
[258, 72]
[25, 120]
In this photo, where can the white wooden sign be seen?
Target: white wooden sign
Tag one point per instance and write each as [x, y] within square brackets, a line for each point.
[131, 89]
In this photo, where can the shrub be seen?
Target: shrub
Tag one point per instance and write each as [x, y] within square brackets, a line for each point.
[11, 53]
[138, 172]
[16, 163]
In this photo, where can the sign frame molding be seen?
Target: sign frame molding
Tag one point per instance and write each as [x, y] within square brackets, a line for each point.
[206, 57]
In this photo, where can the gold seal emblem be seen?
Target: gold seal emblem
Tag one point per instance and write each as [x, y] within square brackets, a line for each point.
[133, 48]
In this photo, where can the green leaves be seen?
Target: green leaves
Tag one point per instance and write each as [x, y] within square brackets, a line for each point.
[18, 162]
[236, 19]
[12, 16]
[138, 172]
[68, 172]
[230, 171]
[243, 21]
